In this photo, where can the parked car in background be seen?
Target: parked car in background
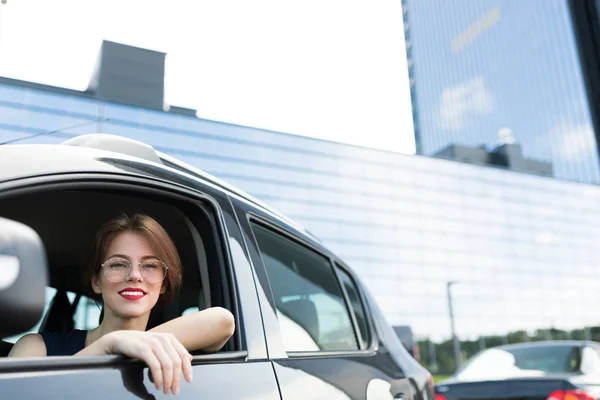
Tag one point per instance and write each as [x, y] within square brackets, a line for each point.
[550, 370]
[405, 334]
[306, 326]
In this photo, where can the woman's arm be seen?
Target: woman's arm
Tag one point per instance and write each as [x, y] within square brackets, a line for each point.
[207, 330]
[31, 345]
[162, 352]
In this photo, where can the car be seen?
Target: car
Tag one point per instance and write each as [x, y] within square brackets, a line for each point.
[545, 370]
[306, 326]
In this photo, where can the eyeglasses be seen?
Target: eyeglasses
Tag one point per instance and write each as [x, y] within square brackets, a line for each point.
[118, 269]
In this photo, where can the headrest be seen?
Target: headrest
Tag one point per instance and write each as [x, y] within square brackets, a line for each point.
[304, 313]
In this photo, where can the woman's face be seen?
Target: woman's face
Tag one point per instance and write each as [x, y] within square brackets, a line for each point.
[133, 297]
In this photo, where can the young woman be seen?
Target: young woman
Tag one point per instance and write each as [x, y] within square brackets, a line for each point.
[134, 264]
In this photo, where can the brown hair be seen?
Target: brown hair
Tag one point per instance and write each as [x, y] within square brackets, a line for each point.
[153, 232]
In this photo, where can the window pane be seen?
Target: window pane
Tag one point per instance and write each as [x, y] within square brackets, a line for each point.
[311, 309]
[357, 308]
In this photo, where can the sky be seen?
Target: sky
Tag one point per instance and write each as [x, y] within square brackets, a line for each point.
[330, 69]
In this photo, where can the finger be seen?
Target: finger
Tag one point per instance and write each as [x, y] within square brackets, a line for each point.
[186, 359]
[152, 362]
[166, 365]
[177, 361]
[188, 371]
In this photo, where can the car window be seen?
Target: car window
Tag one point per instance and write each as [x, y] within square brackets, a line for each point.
[357, 307]
[526, 360]
[312, 313]
[190, 225]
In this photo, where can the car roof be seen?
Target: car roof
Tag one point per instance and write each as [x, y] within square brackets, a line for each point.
[88, 153]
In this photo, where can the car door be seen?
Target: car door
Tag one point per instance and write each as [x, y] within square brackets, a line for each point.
[242, 371]
[320, 333]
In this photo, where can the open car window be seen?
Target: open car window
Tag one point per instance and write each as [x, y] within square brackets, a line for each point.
[67, 222]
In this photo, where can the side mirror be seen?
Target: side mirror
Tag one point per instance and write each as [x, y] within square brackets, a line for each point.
[23, 277]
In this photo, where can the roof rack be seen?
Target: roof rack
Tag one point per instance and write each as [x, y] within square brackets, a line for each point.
[118, 144]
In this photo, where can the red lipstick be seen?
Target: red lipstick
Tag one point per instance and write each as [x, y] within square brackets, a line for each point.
[131, 293]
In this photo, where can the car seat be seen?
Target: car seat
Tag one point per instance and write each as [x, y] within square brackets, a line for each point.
[59, 317]
[5, 348]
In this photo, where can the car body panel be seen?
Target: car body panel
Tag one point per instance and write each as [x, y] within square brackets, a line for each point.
[253, 380]
[343, 376]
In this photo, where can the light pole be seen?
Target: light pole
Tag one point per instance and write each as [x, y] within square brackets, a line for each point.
[455, 342]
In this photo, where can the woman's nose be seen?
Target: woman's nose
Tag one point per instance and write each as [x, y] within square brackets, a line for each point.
[135, 274]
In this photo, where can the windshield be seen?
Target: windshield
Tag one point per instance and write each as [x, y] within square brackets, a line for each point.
[522, 361]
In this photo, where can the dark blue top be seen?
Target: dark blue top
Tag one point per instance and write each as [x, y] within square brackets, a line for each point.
[64, 344]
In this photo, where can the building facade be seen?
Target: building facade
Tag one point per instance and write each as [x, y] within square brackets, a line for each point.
[586, 25]
[521, 247]
[491, 65]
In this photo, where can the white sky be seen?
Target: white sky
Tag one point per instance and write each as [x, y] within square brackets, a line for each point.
[332, 69]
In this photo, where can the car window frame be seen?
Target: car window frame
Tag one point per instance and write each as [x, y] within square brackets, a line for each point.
[133, 185]
[369, 325]
[265, 223]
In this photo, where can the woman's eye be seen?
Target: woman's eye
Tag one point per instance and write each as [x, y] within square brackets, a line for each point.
[118, 265]
[149, 266]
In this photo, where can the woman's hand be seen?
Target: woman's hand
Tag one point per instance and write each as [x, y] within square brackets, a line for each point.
[162, 352]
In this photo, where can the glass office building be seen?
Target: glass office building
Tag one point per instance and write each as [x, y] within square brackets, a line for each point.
[521, 247]
[493, 65]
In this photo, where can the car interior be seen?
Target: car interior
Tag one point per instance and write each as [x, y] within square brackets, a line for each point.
[67, 222]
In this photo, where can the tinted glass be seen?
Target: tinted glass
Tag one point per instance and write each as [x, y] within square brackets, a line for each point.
[357, 307]
[522, 361]
[310, 306]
